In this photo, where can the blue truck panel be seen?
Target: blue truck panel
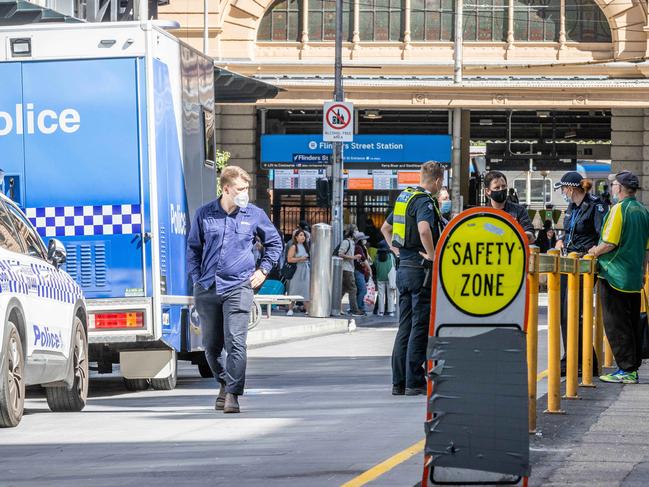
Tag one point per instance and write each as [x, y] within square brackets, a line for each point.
[82, 168]
[12, 155]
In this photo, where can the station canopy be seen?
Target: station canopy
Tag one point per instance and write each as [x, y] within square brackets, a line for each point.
[231, 87]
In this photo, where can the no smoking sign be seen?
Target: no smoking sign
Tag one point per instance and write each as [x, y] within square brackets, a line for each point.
[338, 121]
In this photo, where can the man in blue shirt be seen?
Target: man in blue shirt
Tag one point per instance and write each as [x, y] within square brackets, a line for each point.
[221, 264]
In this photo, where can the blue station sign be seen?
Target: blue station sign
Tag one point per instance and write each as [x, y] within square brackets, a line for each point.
[378, 151]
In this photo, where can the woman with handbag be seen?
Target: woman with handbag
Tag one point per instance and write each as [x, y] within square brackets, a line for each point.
[298, 255]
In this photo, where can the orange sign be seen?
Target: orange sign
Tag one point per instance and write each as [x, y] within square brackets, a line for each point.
[407, 177]
[360, 183]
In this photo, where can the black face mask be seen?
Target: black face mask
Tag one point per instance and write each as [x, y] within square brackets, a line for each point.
[499, 196]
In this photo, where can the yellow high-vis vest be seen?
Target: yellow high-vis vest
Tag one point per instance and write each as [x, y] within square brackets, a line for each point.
[407, 196]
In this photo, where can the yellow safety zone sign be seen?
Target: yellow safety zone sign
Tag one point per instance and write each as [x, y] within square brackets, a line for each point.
[482, 265]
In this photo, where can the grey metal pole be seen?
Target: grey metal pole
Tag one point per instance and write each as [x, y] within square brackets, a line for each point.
[205, 26]
[456, 164]
[337, 163]
[320, 285]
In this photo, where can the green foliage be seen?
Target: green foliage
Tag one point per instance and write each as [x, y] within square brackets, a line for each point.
[221, 159]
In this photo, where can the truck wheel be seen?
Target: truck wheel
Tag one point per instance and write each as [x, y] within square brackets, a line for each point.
[12, 379]
[168, 383]
[62, 399]
[136, 384]
[204, 368]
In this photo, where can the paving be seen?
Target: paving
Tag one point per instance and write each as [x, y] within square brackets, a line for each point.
[317, 412]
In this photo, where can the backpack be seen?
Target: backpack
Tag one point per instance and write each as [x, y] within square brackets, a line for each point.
[337, 248]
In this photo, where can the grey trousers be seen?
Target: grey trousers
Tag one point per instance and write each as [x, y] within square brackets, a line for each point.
[224, 324]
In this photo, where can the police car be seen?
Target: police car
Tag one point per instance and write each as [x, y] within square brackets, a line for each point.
[43, 335]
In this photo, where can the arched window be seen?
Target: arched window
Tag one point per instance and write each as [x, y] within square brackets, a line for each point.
[433, 20]
[585, 22]
[281, 22]
[537, 20]
[381, 20]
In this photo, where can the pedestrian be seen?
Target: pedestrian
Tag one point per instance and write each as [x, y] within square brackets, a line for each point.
[582, 224]
[306, 228]
[374, 236]
[495, 184]
[298, 285]
[546, 238]
[622, 257]
[362, 269]
[413, 229]
[384, 265]
[346, 252]
[221, 265]
[513, 196]
[445, 204]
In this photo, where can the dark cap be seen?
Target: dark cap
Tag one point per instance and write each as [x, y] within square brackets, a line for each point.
[572, 179]
[628, 180]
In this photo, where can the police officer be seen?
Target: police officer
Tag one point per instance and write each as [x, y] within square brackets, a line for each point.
[582, 224]
[413, 228]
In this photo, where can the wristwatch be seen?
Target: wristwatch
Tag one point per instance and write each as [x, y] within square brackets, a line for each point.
[264, 271]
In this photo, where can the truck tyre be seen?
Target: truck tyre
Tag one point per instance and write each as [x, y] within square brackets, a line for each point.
[168, 383]
[12, 378]
[204, 368]
[136, 384]
[62, 399]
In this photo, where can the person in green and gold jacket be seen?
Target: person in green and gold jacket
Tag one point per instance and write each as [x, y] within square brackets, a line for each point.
[623, 253]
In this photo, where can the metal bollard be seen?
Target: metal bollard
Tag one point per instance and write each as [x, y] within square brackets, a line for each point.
[532, 335]
[599, 334]
[554, 337]
[336, 285]
[320, 289]
[572, 353]
[587, 339]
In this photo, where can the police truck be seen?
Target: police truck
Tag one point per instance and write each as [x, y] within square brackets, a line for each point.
[107, 143]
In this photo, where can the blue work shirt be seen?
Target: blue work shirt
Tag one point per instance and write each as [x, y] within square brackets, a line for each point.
[220, 245]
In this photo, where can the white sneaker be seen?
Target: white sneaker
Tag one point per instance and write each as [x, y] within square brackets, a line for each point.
[391, 314]
[380, 314]
[289, 312]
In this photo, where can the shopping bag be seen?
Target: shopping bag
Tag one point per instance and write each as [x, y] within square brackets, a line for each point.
[370, 297]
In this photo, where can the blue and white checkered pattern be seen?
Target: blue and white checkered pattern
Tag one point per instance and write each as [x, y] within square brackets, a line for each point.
[74, 221]
[40, 280]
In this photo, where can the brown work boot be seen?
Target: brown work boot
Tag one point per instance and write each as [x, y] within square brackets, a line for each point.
[231, 403]
[220, 399]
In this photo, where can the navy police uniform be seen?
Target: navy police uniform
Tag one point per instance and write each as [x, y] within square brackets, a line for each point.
[413, 206]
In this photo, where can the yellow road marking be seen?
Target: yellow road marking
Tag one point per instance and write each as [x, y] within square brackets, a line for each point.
[383, 467]
[377, 470]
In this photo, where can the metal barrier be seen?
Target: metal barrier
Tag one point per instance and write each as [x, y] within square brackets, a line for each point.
[580, 282]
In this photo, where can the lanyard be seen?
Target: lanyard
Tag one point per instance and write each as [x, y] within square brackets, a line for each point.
[573, 224]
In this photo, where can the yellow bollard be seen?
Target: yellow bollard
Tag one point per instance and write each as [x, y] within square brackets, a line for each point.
[587, 340]
[554, 337]
[572, 353]
[599, 334]
[608, 353]
[532, 334]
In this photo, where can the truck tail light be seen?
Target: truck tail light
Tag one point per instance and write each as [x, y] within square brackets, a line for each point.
[125, 320]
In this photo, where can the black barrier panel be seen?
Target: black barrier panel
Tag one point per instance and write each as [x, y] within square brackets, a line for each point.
[479, 402]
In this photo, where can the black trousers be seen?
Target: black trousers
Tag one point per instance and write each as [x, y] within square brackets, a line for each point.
[623, 327]
[224, 324]
[564, 318]
[409, 352]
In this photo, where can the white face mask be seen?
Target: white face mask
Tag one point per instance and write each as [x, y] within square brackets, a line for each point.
[242, 199]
